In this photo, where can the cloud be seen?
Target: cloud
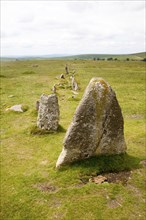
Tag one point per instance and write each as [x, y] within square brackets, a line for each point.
[72, 27]
[26, 18]
[79, 7]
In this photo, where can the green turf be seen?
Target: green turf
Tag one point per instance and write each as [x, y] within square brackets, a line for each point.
[31, 187]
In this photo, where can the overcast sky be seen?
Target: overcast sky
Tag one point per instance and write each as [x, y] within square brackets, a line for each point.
[72, 27]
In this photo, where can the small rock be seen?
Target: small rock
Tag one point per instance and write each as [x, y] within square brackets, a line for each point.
[16, 108]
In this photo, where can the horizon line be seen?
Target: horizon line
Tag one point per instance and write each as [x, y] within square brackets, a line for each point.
[64, 55]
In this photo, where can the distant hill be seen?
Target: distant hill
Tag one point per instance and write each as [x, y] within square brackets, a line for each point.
[134, 56]
[143, 55]
[37, 57]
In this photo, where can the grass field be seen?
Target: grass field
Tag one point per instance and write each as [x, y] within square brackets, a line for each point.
[31, 187]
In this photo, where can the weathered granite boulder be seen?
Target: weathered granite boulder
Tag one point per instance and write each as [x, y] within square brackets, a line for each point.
[97, 126]
[48, 113]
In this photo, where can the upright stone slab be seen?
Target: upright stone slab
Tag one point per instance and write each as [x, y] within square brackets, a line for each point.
[48, 113]
[97, 126]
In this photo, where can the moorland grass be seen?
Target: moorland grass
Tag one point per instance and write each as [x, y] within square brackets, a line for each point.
[31, 187]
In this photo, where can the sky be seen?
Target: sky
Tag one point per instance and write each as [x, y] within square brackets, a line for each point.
[72, 27]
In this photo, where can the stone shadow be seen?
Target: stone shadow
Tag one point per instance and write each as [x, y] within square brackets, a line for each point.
[106, 164]
[34, 130]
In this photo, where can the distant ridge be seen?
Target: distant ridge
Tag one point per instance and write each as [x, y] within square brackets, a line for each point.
[134, 56]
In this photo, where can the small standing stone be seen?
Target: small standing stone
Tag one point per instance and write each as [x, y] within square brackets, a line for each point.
[62, 76]
[75, 86]
[37, 105]
[54, 88]
[66, 69]
[97, 125]
[48, 114]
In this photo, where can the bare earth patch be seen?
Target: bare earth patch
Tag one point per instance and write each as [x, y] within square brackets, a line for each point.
[143, 163]
[121, 177]
[44, 162]
[113, 203]
[45, 187]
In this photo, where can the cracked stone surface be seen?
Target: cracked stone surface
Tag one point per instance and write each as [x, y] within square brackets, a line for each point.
[97, 125]
[48, 113]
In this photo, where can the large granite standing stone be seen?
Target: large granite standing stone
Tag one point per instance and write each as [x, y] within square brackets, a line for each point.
[48, 113]
[97, 126]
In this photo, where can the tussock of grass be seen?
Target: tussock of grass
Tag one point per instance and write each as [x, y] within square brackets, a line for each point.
[34, 113]
[34, 130]
[29, 72]
[2, 76]
[25, 108]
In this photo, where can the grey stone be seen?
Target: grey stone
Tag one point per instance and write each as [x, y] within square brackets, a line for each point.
[37, 105]
[75, 86]
[48, 114]
[97, 126]
[54, 88]
[62, 76]
[66, 69]
[16, 108]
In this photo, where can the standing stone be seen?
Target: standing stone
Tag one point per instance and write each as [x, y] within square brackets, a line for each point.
[75, 86]
[37, 105]
[66, 69]
[62, 76]
[48, 114]
[97, 126]
[54, 88]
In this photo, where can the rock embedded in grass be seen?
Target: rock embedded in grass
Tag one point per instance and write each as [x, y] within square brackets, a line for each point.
[97, 126]
[48, 113]
[18, 108]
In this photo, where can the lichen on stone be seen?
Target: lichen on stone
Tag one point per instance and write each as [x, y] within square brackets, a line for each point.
[97, 125]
